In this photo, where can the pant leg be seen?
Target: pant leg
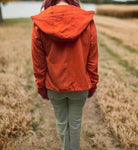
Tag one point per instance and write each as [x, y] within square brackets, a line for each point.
[60, 105]
[76, 103]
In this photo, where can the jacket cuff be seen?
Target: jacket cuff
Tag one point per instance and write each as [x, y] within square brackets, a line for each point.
[42, 91]
[93, 89]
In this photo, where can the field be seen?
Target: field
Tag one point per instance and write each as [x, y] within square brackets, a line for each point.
[121, 11]
[109, 118]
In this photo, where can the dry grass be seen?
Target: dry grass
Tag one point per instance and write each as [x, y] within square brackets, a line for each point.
[118, 99]
[122, 11]
[15, 116]
[30, 122]
[118, 89]
[126, 55]
[124, 30]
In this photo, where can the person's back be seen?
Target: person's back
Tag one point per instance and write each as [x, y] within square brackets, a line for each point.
[68, 36]
[65, 62]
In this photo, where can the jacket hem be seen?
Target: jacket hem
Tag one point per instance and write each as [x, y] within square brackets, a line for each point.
[69, 89]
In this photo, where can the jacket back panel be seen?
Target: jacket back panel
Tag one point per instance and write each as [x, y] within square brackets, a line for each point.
[67, 63]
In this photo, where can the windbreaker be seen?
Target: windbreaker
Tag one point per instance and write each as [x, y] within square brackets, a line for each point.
[64, 49]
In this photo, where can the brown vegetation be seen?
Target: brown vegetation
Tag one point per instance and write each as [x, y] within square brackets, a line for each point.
[27, 122]
[117, 95]
[122, 11]
[15, 116]
[123, 30]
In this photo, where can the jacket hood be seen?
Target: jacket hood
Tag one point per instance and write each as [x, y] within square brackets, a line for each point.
[63, 22]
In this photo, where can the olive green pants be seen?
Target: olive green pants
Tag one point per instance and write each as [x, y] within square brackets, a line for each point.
[68, 108]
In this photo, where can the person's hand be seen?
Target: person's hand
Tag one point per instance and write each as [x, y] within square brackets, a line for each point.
[90, 95]
[45, 97]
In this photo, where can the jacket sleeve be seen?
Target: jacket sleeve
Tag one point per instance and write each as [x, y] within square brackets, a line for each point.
[38, 60]
[92, 64]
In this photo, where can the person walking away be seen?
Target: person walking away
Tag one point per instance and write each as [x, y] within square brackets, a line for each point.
[65, 63]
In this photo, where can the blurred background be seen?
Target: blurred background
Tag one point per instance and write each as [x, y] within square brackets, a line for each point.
[9, 8]
[110, 118]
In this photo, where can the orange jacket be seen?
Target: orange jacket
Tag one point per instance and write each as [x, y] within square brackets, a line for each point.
[64, 49]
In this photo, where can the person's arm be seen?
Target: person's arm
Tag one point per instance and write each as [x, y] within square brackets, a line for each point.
[38, 60]
[92, 64]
